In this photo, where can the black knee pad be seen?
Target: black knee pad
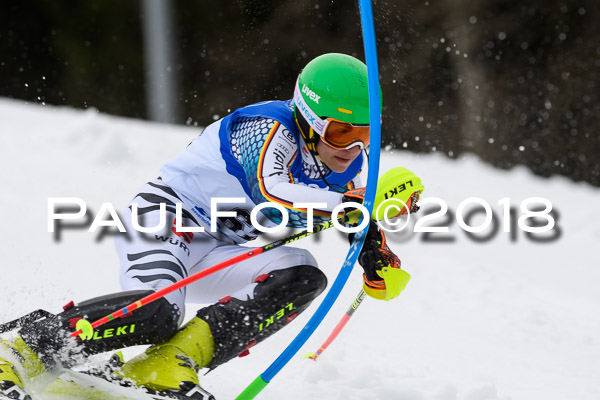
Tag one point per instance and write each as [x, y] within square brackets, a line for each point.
[50, 337]
[236, 325]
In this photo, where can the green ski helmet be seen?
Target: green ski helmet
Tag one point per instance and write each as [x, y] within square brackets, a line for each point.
[331, 102]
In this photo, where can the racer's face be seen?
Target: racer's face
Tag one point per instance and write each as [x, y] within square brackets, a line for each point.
[338, 160]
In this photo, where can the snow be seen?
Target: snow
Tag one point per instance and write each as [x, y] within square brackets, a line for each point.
[497, 320]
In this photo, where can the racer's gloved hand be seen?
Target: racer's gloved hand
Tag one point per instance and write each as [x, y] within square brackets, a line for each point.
[355, 195]
[382, 279]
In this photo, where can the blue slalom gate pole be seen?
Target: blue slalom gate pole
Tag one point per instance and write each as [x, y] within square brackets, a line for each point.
[368, 28]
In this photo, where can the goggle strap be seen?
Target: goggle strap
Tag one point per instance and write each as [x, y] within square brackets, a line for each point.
[311, 138]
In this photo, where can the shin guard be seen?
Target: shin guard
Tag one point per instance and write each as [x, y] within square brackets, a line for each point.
[236, 325]
[50, 337]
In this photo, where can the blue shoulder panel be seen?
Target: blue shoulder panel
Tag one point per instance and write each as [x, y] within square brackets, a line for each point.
[277, 110]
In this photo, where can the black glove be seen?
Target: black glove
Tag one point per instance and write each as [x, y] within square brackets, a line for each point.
[374, 256]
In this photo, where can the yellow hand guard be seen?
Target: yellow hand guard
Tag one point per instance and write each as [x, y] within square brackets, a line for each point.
[396, 184]
[394, 282]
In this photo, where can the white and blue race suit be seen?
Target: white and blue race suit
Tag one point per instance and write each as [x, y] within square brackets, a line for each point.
[255, 154]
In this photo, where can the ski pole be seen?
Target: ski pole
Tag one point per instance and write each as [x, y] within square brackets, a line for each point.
[340, 325]
[85, 329]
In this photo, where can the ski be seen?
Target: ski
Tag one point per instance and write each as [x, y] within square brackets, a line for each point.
[69, 384]
[86, 386]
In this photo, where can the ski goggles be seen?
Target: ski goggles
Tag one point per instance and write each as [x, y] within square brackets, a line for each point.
[343, 135]
[335, 133]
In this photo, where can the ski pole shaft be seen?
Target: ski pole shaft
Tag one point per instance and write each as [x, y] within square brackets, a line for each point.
[340, 325]
[85, 325]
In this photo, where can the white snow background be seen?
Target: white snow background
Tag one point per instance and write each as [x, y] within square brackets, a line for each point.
[501, 319]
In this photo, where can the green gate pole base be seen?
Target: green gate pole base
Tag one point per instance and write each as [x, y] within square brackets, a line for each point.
[253, 389]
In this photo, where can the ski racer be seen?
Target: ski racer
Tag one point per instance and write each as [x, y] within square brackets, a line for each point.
[309, 149]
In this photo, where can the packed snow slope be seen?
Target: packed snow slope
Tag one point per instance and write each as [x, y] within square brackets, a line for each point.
[502, 318]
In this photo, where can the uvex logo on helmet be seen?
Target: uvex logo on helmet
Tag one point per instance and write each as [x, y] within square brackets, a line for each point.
[303, 107]
[313, 96]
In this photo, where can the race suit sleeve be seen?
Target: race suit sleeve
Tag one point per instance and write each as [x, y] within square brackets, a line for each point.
[270, 180]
